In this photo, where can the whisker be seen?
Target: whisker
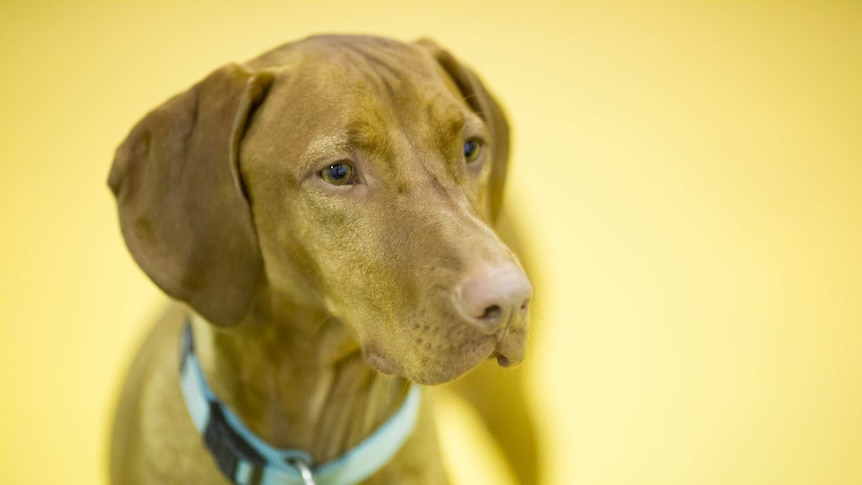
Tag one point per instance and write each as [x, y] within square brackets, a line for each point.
[320, 324]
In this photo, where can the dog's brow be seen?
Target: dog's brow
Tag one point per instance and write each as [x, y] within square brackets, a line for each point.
[326, 146]
[474, 125]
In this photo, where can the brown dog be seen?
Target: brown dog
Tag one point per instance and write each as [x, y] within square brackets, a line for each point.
[325, 209]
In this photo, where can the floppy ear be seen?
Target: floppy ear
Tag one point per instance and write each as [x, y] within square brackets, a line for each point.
[480, 100]
[182, 208]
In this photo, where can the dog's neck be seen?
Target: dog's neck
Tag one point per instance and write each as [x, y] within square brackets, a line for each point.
[301, 383]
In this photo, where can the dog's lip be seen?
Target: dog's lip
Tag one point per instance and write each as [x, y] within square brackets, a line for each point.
[502, 360]
[509, 350]
[430, 367]
[381, 363]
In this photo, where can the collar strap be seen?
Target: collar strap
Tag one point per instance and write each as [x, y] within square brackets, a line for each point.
[247, 460]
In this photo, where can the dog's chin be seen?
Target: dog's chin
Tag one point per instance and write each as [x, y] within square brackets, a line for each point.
[508, 349]
[431, 375]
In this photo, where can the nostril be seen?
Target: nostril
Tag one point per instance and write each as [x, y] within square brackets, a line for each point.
[494, 296]
[492, 314]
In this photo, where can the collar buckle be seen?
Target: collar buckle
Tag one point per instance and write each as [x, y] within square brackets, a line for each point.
[227, 447]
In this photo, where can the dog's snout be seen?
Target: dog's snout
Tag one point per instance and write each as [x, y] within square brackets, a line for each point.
[495, 297]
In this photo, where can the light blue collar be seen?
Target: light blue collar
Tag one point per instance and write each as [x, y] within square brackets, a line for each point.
[247, 460]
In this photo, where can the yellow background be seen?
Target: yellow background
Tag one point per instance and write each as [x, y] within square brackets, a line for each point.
[688, 178]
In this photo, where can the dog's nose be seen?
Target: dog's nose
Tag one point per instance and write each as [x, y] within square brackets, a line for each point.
[495, 297]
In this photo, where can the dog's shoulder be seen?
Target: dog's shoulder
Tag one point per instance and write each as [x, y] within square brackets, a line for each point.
[151, 405]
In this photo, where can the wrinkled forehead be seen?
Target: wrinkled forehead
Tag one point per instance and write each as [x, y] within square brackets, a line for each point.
[358, 96]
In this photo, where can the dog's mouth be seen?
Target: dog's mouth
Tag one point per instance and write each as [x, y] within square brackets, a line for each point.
[507, 347]
[381, 363]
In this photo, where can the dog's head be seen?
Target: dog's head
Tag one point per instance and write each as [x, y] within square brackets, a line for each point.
[356, 174]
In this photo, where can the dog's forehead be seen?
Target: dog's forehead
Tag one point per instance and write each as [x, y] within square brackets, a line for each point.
[357, 91]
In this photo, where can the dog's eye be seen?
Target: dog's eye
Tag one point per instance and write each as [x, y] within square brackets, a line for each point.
[472, 149]
[338, 174]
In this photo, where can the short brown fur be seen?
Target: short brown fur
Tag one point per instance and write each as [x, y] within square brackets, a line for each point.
[322, 301]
